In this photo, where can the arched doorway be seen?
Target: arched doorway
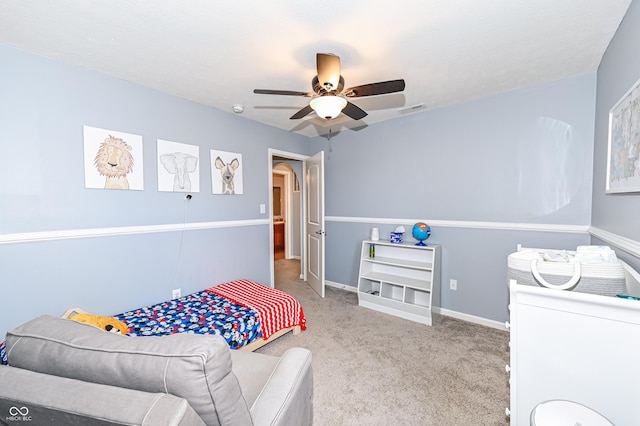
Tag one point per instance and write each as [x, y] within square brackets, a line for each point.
[287, 212]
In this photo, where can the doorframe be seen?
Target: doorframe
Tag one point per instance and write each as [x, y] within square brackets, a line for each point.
[303, 232]
[288, 208]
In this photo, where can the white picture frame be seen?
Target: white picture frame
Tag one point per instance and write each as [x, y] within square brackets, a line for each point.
[178, 167]
[120, 169]
[226, 173]
[623, 156]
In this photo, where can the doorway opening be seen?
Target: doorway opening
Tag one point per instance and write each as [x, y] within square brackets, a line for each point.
[304, 230]
[286, 210]
[286, 175]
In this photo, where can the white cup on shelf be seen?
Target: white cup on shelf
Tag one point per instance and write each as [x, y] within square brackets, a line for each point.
[375, 234]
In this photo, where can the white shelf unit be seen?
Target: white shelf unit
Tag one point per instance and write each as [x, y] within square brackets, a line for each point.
[400, 279]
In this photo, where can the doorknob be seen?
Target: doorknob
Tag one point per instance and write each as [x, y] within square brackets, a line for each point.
[320, 232]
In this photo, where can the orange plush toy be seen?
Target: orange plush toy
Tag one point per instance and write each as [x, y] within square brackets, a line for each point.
[112, 325]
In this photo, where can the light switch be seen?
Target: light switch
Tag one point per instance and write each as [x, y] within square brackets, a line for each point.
[263, 208]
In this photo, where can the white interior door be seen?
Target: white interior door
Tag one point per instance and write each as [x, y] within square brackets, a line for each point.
[314, 167]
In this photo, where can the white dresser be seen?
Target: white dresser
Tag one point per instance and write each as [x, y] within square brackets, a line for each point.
[574, 346]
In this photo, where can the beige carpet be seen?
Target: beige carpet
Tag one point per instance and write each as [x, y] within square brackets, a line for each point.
[375, 369]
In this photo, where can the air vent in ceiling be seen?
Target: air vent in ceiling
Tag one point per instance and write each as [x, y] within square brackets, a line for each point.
[411, 109]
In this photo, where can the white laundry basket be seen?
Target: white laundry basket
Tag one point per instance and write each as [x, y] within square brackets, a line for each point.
[589, 269]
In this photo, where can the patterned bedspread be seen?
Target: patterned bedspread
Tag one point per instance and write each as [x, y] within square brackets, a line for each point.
[197, 313]
[276, 309]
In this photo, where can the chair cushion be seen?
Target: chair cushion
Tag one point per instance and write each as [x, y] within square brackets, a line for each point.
[253, 371]
[194, 367]
[34, 398]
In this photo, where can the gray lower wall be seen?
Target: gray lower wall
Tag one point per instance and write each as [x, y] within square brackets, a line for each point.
[475, 257]
[114, 273]
[518, 159]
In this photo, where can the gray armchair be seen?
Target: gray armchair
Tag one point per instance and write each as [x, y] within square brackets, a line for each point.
[64, 372]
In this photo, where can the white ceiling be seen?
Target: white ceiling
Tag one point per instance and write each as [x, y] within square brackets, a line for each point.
[216, 52]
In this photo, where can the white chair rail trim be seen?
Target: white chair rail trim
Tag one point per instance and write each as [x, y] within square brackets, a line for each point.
[630, 246]
[623, 243]
[30, 237]
[540, 227]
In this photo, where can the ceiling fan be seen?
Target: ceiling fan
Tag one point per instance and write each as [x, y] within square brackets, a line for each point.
[329, 99]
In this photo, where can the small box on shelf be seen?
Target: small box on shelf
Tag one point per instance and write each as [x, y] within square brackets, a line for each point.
[396, 238]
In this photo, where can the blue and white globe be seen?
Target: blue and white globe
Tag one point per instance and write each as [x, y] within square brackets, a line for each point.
[421, 231]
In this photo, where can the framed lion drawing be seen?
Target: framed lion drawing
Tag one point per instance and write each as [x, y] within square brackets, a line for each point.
[112, 160]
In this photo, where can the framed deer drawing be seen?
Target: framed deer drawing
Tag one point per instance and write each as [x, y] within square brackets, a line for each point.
[226, 173]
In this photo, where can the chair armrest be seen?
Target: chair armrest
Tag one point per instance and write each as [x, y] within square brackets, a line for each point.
[287, 397]
[41, 398]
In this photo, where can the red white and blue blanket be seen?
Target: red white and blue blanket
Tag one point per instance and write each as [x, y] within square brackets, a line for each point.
[276, 309]
[196, 313]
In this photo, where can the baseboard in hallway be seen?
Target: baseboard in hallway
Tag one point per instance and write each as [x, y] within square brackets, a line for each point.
[341, 286]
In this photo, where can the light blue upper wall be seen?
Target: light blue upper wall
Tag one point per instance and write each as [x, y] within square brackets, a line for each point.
[517, 157]
[618, 72]
[44, 105]
[512, 160]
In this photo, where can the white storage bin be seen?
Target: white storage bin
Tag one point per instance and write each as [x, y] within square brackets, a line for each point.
[589, 269]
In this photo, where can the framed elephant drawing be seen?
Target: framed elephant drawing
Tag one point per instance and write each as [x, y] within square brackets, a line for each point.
[178, 167]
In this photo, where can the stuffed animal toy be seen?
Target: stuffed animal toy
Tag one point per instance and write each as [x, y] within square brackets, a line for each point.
[106, 323]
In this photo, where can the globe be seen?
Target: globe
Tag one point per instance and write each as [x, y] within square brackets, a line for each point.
[421, 231]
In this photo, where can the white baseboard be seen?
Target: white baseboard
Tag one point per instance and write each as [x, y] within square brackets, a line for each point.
[341, 286]
[470, 318]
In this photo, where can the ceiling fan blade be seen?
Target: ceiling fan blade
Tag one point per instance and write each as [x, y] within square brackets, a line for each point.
[328, 70]
[302, 113]
[371, 89]
[354, 111]
[281, 92]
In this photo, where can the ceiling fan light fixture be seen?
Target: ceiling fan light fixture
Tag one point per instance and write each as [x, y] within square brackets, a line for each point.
[329, 98]
[328, 107]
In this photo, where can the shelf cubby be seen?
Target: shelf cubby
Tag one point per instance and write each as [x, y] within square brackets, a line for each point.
[392, 291]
